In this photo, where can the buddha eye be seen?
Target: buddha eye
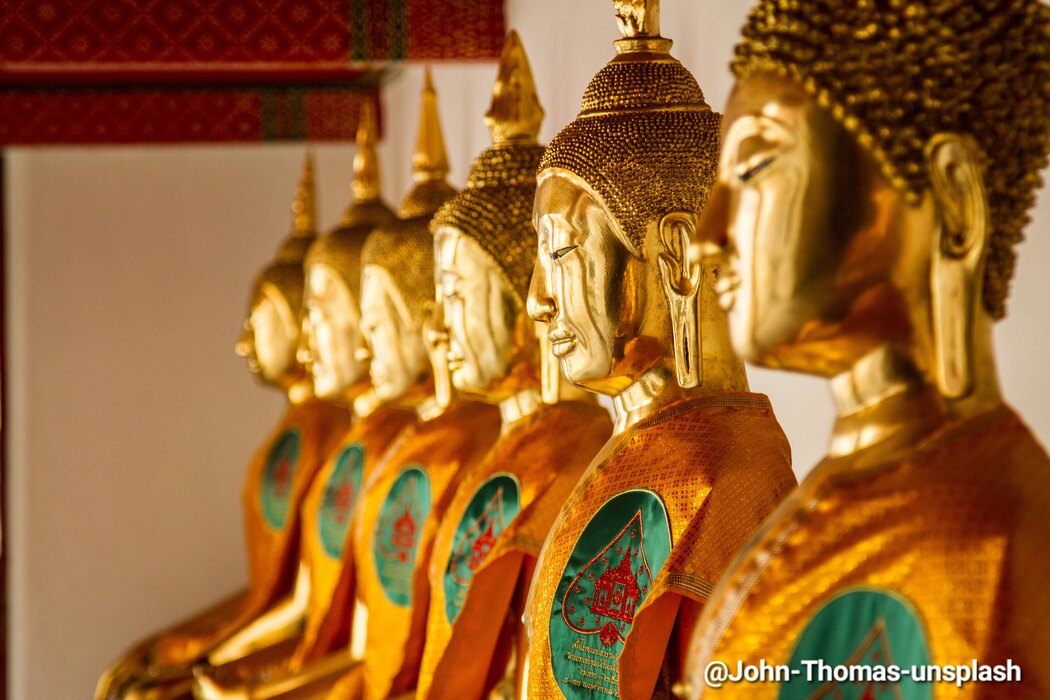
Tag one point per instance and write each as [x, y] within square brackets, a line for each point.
[751, 172]
[562, 252]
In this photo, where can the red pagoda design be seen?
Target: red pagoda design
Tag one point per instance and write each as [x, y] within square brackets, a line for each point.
[874, 650]
[280, 478]
[616, 592]
[341, 502]
[481, 548]
[404, 535]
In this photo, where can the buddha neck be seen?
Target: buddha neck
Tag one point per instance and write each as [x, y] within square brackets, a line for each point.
[348, 398]
[420, 399]
[518, 406]
[299, 391]
[883, 404]
[653, 390]
[429, 408]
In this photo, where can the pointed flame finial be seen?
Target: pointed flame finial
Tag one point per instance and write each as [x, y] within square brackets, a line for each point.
[365, 185]
[429, 161]
[638, 18]
[304, 207]
[515, 113]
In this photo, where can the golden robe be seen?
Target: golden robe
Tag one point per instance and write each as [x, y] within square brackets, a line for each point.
[486, 548]
[278, 478]
[939, 554]
[394, 529]
[326, 550]
[652, 524]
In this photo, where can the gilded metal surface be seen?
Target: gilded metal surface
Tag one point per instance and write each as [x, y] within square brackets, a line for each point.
[897, 74]
[955, 525]
[630, 313]
[484, 254]
[460, 657]
[327, 612]
[872, 182]
[445, 448]
[398, 266]
[331, 323]
[271, 330]
[720, 464]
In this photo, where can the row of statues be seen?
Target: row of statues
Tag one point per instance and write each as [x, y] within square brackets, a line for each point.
[444, 511]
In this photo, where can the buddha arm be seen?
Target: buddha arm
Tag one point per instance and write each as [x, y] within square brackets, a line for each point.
[282, 621]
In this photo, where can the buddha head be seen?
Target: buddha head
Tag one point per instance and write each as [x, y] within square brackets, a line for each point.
[879, 159]
[331, 345]
[484, 245]
[397, 268]
[271, 330]
[619, 191]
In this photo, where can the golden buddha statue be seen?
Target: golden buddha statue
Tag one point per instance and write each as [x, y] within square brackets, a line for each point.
[486, 546]
[407, 495]
[277, 479]
[304, 641]
[879, 160]
[696, 461]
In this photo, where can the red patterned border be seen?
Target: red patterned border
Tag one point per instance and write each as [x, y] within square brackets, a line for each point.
[175, 71]
[41, 36]
[180, 115]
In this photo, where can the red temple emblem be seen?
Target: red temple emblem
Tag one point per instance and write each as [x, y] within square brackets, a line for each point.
[404, 535]
[280, 478]
[616, 591]
[341, 502]
[481, 548]
[603, 596]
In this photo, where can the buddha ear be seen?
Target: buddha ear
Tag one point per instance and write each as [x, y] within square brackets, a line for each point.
[681, 286]
[957, 257]
[435, 338]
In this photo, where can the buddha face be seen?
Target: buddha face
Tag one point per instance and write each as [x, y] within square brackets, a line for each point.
[479, 312]
[578, 283]
[331, 333]
[398, 356]
[270, 336]
[813, 232]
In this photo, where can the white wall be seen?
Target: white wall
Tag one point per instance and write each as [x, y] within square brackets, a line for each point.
[131, 420]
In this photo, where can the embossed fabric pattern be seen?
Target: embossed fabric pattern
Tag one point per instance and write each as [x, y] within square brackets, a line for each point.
[722, 448]
[954, 528]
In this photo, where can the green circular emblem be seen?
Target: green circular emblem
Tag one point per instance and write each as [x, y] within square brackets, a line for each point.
[609, 574]
[340, 495]
[400, 525]
[493, 506]
[860, 628]
[278, 482]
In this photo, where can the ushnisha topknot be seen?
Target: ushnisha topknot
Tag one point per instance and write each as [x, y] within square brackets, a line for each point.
[495, 208]
[285, 273]
[340, 249]
[404, 247]
[897, 72]
[645, 139]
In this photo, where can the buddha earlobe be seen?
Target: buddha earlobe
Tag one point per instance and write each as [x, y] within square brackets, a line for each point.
[957, 258]
[435, 338]
[681, 278]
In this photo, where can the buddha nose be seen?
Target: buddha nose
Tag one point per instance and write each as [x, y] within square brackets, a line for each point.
[243, 347]
[363, 353]
[539, 304]
[713, 228]
[435, 330]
